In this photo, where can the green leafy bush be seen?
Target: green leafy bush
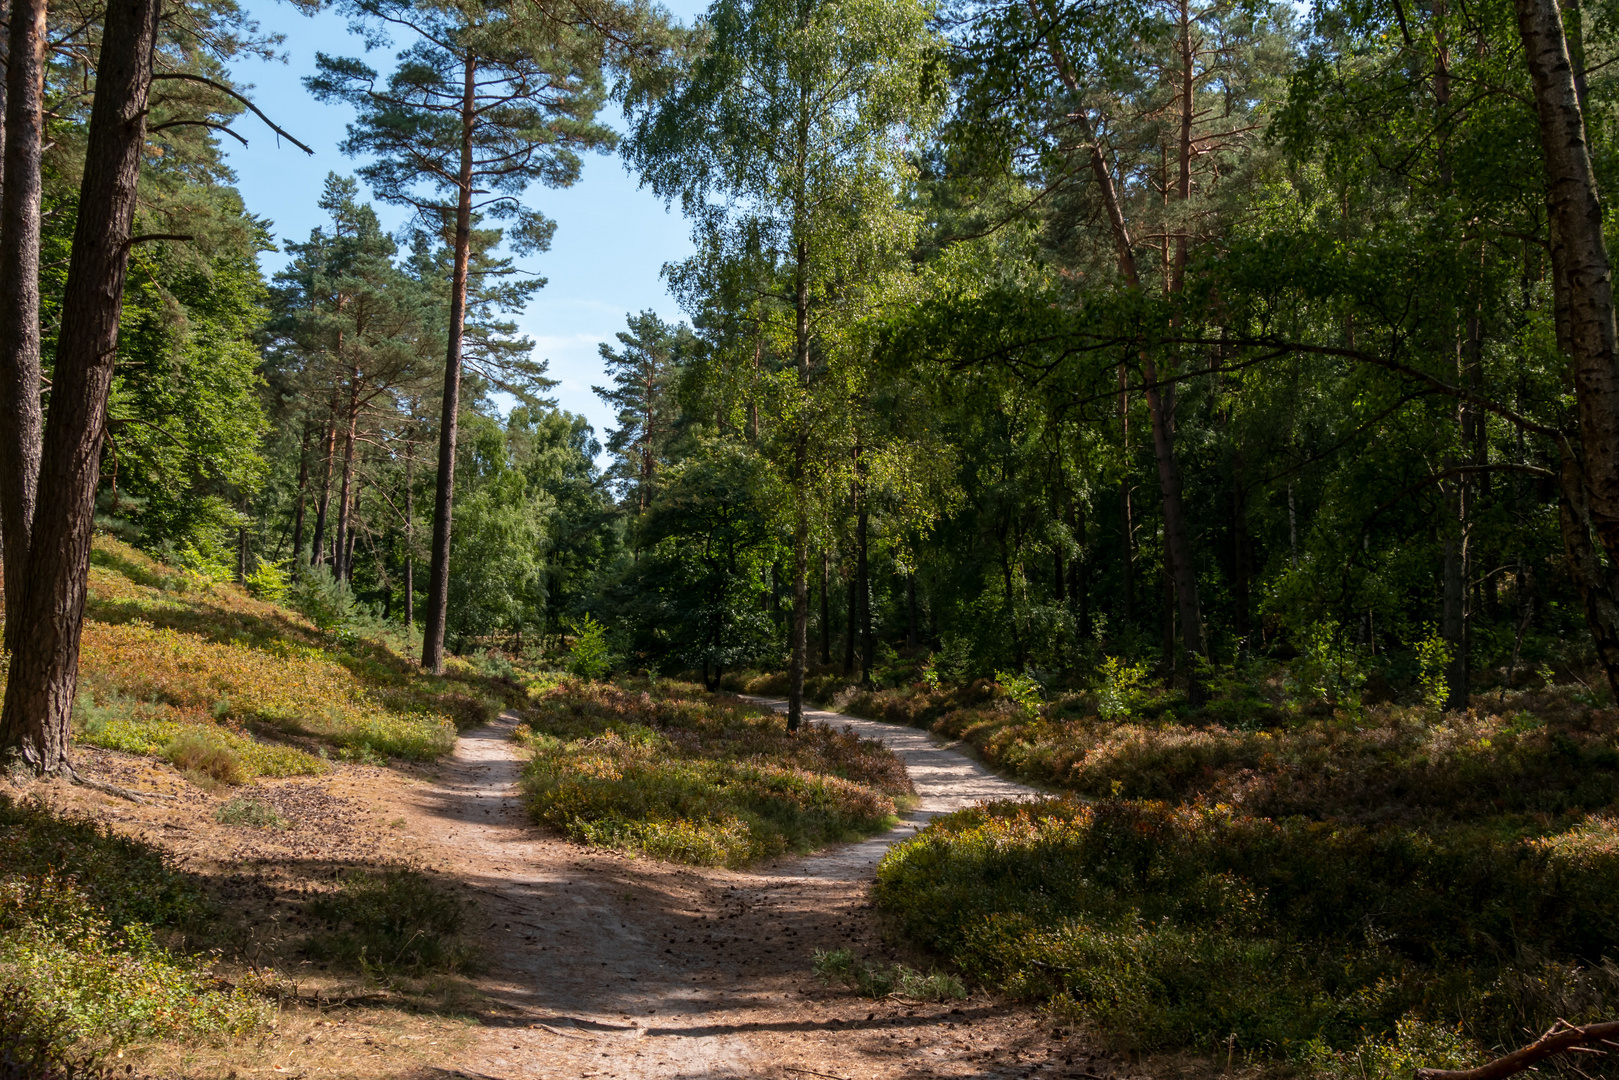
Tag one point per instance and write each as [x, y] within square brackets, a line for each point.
[591, 658]
[1118, 684]
[268, 582]
[1021, 690]
[34, 1045]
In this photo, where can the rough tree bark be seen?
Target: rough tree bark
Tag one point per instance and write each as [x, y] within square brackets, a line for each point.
[1589, 475]
[20, 411]
[44, 667]
[438, 580]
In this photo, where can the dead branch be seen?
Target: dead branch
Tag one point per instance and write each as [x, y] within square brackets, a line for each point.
[1560, 1038]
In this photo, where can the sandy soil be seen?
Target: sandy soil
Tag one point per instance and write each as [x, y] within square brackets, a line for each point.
[599, 965]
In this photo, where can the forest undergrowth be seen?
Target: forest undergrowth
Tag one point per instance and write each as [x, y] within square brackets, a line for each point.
[105, 941]
[1351, 889]
[228, 687]
[663, 768]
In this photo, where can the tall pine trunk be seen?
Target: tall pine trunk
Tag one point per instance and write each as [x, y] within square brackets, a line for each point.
[410, 545]
[44, 666]
[20, 411]
[438, 581]
[303, 486]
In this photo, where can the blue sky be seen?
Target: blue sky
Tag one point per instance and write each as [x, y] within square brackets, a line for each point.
[612, 238]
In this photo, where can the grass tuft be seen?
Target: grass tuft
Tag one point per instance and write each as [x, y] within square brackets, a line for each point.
[253, 813]
[840, 967]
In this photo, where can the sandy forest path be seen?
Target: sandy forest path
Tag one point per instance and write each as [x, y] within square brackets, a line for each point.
[603, 966]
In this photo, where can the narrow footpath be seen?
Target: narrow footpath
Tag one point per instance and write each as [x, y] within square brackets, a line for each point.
[606, 966]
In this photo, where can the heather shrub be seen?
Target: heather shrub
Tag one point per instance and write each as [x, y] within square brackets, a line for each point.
[1196, 925]
[678, 774]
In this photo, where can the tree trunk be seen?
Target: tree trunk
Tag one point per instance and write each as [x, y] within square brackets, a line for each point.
[410, 546]
[303, 487]
[317, 546]
[438, 582]
[863, 576]
[851, 620]
[1160, 402]
[44, 668]
[1589, 476]
[800, 631]
[826, 614]
[910, 607]
[20, 411]
[342, 569]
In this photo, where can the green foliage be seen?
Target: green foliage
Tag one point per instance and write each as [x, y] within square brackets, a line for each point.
[35, 1045]
[1118, 685]
[680, 775]
[591, 659]
[1194, 925]
[393, 921]
[1022, 690]
[83, 949]
[1327, 669]
[1433, 662]
[268, 582]
[840, 967]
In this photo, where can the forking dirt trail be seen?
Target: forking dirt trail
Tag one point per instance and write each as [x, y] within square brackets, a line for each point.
[604, 966]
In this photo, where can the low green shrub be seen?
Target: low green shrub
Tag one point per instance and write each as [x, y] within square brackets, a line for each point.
[840, 967]
[34, 1045]
[393, 921]
[1195, 925]
[678, 774]
[84, 949]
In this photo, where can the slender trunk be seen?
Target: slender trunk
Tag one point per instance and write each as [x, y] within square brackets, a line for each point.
[342, 569]
[44, 667]
[438, 582]
[410, 543]
[910, 607]
[1240, 589]
[317, 554]
[20, 412]
[826, 614]
[863, 573]
[800, 639]
[1160, 402]
[1589, 476]
[1169, 616]
[1292, 530]
[801, 356]
[851, 620]
[303, 486]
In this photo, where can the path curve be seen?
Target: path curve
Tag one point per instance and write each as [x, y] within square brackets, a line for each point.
[945, 778]
[612, 967]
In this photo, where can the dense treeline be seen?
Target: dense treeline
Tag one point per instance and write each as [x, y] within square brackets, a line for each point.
[1021, 336]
